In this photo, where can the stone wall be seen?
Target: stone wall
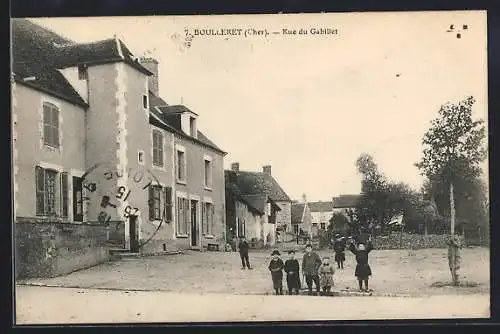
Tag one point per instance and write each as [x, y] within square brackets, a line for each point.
[47, 248]
[417, 241]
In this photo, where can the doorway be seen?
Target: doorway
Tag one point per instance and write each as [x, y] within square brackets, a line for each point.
[194, 223]
[134, 240]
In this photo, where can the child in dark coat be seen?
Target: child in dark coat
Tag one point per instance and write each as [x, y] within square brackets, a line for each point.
[292, 273]
[339, 248]
[276, 267]
[363, 270]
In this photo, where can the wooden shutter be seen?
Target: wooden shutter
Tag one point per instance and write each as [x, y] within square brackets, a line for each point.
[40, 188]
[203, 218]
[168, 204]
[211, 220]
[151, 203]
[64, 194]
[77, 199]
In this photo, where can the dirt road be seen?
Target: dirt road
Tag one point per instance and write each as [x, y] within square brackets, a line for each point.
[45, 305]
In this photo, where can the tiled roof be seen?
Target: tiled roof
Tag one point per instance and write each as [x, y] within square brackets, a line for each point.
[156, 101]
[346, 201]
[254, 183]
[320, 206]
[176, 109]
[297, 213]
[38, 52]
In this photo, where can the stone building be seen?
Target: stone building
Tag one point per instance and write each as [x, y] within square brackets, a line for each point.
[250, 191]
[99, 156]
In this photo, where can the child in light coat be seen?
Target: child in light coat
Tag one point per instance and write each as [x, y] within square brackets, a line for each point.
[326, 271]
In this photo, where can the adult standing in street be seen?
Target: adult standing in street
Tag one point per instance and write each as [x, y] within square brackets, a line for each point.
[243, 249]
[310, 266]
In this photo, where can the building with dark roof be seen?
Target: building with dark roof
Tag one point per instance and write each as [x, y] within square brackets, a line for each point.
[88, 119]
[302, 219]
[243, 188]
[321, 212]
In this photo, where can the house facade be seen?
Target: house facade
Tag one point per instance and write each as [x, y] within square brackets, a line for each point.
[98, 155]
[254, 205]
[322, 213]
[302, 219]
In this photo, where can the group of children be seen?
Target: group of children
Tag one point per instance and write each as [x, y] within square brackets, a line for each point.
[318, 271]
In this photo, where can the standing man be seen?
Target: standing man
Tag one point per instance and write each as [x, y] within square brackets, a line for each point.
[243, 249]
[310, 266]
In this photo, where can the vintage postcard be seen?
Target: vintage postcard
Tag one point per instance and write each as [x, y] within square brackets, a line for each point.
[234, 168]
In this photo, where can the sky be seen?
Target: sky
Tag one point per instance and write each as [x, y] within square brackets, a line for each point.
[309, 105]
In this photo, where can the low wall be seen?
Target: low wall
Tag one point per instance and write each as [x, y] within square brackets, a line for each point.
[417, 241]
[47, 248]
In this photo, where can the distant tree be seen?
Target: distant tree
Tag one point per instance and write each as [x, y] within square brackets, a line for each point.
[382, 199]
[452, 151]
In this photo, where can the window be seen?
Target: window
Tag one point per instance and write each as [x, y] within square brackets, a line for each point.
[208, 219]
[182, 216]
[157, 148]
[192, 126]
[82, 72]
[296, 229]
[77, 199]
[140, 157]
[208, 173]
[181, 166]
[160, 203]
[46, 189]
[323, 226]
[155, 202]
[241, 227]
[64, 194]
[50, 125]
[145, 101]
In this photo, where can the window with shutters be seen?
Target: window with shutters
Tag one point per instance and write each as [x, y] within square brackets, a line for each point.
[182, 216]
[157, 148]
[46, 192]
[155, 193]
[50, 125]
[208, 219]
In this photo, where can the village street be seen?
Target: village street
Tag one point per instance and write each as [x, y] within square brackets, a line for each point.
[217, 289]
[394, 273]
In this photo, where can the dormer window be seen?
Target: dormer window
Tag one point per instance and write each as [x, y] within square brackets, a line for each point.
[192, 126]
[82, 72]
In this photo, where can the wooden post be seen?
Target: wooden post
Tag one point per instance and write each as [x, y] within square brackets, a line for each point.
[401, 236]
[452, 232]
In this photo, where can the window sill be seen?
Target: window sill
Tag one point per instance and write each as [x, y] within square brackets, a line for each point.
[163, 169]
[209, 236]
[183, 182]
[182, 236]
[208, 188]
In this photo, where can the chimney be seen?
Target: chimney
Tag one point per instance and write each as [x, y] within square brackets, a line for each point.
[266, 169]
[152, 65]
[235, 166]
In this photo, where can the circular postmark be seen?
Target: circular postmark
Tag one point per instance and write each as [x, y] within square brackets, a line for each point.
[115, 195]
